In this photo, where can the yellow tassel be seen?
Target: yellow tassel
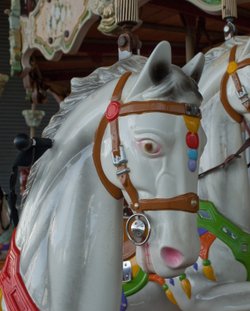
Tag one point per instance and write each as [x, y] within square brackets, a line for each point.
[192, 123]
[186, 286]
[170, 296]
[232, 67]
[208, 270]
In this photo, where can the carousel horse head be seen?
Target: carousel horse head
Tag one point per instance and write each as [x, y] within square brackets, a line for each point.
[149, 142]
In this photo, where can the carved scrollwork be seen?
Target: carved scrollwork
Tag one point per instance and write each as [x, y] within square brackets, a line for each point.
[105, 9]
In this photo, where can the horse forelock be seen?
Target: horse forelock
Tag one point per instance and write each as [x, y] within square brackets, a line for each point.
[174, 87]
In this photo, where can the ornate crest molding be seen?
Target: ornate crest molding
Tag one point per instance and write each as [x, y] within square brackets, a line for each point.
[56, 27]
[211, 6]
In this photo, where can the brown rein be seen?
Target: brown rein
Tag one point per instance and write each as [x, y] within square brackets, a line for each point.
[228, 160]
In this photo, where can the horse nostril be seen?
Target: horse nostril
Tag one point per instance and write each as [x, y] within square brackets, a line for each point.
[172, 257]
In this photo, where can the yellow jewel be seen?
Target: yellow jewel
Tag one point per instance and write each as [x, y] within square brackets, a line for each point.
[135, 267]
[170, 296]
[232, 67]
[186, 286]
[208, 270]
[192, 123]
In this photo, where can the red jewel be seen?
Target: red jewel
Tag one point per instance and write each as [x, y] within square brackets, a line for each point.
[192, 140]
[112, 111]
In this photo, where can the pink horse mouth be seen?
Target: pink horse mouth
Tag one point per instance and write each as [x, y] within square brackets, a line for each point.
[172, 257]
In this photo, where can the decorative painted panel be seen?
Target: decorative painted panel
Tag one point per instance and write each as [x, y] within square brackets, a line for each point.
[56, 27]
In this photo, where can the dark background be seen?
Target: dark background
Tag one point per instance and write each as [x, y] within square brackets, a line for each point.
[12, 102]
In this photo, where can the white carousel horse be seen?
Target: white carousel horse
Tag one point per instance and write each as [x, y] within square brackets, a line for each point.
[69, 238]
[220, 279]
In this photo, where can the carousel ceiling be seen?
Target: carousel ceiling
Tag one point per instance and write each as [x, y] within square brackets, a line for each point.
[175, 21]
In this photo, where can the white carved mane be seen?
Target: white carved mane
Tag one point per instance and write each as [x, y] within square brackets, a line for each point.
[81, 88]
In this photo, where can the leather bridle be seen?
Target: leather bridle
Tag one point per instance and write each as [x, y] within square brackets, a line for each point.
[243, 96]
[232, 68]
[188, 202]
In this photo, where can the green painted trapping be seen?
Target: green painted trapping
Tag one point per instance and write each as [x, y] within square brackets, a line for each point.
[236, 239]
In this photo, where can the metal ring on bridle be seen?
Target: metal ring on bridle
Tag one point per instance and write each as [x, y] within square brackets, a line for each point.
[138, 229]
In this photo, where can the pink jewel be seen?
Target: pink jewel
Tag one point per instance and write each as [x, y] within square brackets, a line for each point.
[112, 111]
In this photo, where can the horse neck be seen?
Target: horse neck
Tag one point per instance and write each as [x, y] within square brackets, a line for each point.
[104, 248]
[87, 234]
[227, 188]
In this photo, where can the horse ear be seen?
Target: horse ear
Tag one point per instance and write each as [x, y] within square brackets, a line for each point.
[155, 70]
[247, 48]
[194, 67]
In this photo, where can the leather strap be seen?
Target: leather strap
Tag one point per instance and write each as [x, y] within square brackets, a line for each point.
[115, 137]
[228, 160]
[245, 99]
[117, 93]
[224, 99]
[232, 71]
[188, 202]
[111, 188]
[138, 107]
[232, 54]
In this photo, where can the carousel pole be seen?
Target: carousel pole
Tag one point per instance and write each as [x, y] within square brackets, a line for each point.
[190, 46]
[190, 26]
[229, 14]
[33, 118]
[127, 18]
[36, 95]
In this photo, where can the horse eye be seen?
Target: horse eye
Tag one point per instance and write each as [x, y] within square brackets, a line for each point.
[150, 147]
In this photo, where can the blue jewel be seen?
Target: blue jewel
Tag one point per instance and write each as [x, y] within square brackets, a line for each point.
[124, 302]
[192, 154]
[195, 266]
